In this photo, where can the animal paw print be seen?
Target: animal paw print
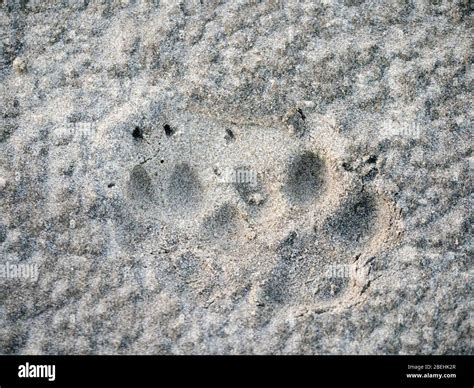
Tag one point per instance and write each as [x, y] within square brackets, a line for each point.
[278, 209]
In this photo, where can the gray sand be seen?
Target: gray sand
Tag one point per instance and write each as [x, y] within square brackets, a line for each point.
[236, 177]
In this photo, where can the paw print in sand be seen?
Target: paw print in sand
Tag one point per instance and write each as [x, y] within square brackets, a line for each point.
[278, 211]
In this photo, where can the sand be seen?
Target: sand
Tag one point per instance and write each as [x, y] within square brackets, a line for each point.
[232, 177]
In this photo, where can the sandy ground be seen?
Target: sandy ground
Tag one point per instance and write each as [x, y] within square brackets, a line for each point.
[227, 177]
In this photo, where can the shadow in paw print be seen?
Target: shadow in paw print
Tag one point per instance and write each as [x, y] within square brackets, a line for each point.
[355, 220]
[302, 282]
[140, 186]
[275, 290]
[305, 178]
[3, 233]
[133, 232]
[301, 274]
[184, 188]
[221, 223]
[185, 277]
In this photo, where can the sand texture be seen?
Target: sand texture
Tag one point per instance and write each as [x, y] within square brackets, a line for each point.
[234, 177]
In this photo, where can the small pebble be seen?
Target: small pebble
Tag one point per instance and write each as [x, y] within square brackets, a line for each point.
[19, 65]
